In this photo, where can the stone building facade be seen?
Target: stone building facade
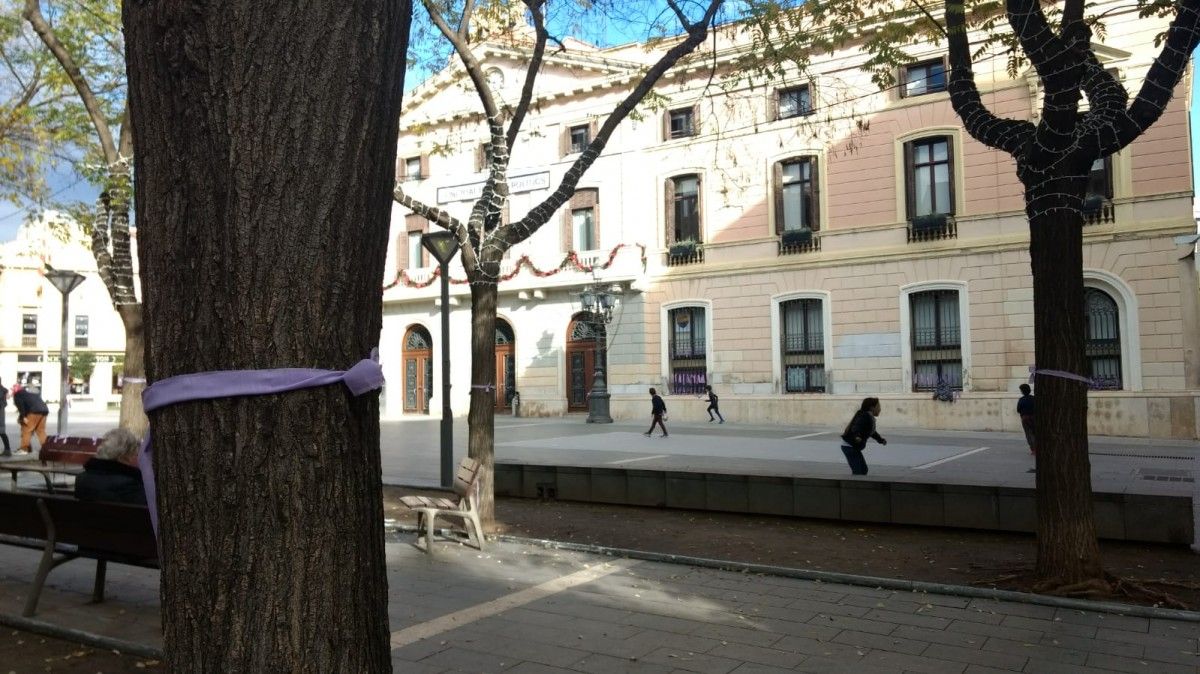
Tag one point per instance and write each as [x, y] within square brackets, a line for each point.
[797, 244]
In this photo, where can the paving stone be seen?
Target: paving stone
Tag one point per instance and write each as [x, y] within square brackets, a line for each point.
[916, 620]
[753, 668]
[913, 663]
[1094, 645]
[881, 642]
[471, 661]
[820, 607]
[817, 647]
[822, 665]
[1117, 663]
[682, 642]
[948, 637]
[1013, 608]
[738, 635]
[985, 630]
[848, 623]
[535, 668]
[521, 649]
[802, 630]
[759, 655]
[690, 661]
[1148, 641]
[413, 667]
[974, 615]
[1036, 651]
[1116, 622]
[1050, 626]
[606, 664]
[1049, 667]
[977, 669]
[1013, 662]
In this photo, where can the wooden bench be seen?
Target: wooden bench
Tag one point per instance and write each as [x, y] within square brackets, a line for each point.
[59, 455]
[464, 507]
[65, 528]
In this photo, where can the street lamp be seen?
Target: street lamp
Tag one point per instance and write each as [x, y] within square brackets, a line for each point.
[65, 281]
[598, 301]
[443, 245]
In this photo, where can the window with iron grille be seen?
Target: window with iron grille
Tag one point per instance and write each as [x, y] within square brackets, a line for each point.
[926, 77]
[802, 346]
[81, 331]
[936, 339]
[579, 138]
[929, 173]
[686, 349]
[682, 123]
[794, 102]
[29, 324]
[1102, 339]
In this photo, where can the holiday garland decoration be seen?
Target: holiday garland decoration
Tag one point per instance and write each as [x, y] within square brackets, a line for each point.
[571, 259]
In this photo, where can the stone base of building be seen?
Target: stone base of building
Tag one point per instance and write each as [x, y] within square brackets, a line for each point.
[1116, 413]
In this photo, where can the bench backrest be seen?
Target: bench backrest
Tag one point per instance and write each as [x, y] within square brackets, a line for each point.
[466, 478]
[68, 449]
[115, 528]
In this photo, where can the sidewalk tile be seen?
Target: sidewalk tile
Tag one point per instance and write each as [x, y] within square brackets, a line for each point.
[847, 623]
[1094, 645]
[881, 642]
[1120, 664]
[913, 663]
[1050, 627]
[1116, 622]
[1149, 641]
[607, 664]
[984, 630]
[758, 655]
[690, 661]
[1013, 662]
[916, 620]
[1032, 650]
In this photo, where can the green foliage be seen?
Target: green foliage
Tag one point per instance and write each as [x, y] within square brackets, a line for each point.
[82, 364]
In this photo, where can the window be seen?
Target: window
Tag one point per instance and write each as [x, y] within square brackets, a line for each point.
[29, 329]
[1102, 339]
[483, 156]
[1100, 179]
[415, 258]
[580, 137]
[681, 123]
[31, 380]
[686, 350]
[926, 77]
[936, 340]
[81, 331]
[796, 195]
[802, 346]
[581, 223]
[412, 168]
[794, 102]
[929, 169]
[415, 251]
[683, 209]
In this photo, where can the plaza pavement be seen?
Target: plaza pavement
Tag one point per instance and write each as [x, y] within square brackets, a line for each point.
[533, 610]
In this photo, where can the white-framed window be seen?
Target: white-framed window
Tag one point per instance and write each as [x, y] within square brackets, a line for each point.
[81, 331]
[579, 138]
[583, 228]
[929, 176]
[796, 206]
[1112, 338]
[680, 123]
[935, 335]
[416, 252]
[924, 77]
[801, 323]
[686, 345]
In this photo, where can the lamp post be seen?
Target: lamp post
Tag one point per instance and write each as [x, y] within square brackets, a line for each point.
[598, 301]
[65, 281]
[443, 245]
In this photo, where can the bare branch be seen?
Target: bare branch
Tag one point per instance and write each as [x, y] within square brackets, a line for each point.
[442, 219]
[33, 14]
[464, 23]
[535, 64]
[932, 20]
[1003, 134]
[683, 20]
[125, 146]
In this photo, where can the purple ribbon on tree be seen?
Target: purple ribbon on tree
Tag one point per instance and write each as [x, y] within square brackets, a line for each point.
[1033, 371]
[365, 376]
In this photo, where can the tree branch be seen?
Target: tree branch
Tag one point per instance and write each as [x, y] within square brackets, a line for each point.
[683, 20]
[540, 214]
[535, 64]
[464, 23]
[442, 219]
[1003, 134]
[33, 14]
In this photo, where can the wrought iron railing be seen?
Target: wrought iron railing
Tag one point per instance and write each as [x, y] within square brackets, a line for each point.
[934, 227]
[1098, 211]
[799, 245]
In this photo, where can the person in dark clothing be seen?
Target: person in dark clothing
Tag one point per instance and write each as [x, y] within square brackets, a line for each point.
[3, 414]
[1025, 411]
[854, 438]
[658, 412]
[712, 406]
[31, 416]
[113, 474]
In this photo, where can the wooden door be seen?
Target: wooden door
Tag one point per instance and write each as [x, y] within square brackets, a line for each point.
[581, 361]
[418, 370]
[506, 373]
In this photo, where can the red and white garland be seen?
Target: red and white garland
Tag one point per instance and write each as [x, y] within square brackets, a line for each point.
[570, 260]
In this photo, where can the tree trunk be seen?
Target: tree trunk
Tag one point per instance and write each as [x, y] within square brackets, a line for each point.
[1068, 554]
[133, 415]
[482, 434]
[266, 141]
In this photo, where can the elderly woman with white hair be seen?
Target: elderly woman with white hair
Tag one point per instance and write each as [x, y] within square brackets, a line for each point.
[113, 474]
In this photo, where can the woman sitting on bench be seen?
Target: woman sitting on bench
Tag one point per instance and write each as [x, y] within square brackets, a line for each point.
[113, 474]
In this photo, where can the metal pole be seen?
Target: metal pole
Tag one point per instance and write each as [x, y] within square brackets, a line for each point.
[447, 415]
[65, 380]
[598, 407]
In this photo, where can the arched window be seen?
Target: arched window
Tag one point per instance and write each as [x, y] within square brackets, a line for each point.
[504, 333]
[1102, 339]
[418, 340]
[687, 349]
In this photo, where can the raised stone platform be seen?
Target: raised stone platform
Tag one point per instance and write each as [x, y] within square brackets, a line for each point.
[1155, 518]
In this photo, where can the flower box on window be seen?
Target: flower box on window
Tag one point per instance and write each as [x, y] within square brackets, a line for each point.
[932, 227]
[683, 248]
[928, 223]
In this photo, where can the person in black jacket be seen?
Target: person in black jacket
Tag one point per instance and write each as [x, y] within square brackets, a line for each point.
[1025, 411]
[712, 405]
[658, 411]
[854, 438]
[3, 414]
[31, 416]
[113, 474]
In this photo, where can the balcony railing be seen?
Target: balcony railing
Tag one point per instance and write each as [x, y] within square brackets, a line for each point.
[934, 227]
[678, 255]
[1098, 210]
[797, 242]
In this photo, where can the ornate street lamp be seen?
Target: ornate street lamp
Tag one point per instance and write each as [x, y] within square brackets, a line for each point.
[443, 245]
[598, 301]
[65, 281]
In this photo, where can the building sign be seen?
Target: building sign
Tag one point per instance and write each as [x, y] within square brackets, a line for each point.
[516, 184]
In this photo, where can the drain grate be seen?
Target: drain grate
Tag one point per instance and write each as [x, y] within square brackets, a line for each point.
[1136, 455]
[1167, 475]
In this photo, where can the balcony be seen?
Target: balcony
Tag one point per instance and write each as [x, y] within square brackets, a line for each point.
[685, 252]
[933, 227]
[1097, 209]
[799, 241]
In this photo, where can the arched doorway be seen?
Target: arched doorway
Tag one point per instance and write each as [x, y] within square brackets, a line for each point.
[418, 370]
[506, 371]
[582, 334]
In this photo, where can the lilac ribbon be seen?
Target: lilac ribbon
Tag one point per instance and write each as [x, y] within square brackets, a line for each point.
[366, 375]
[1060, 374]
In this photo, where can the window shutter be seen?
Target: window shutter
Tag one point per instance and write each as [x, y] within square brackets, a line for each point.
[950, 171]
[669, 211]
[815, 213]
[696, 119]
[480, 157]
[772, 105]
[564, 141]
[777, 186]
[424, 166]
[666, 124]
[568, 234]
[402, 251]
[401, 169]
[596, 221]
[1108, 176]
[909, 193]
[699, 208]
[593, 129]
